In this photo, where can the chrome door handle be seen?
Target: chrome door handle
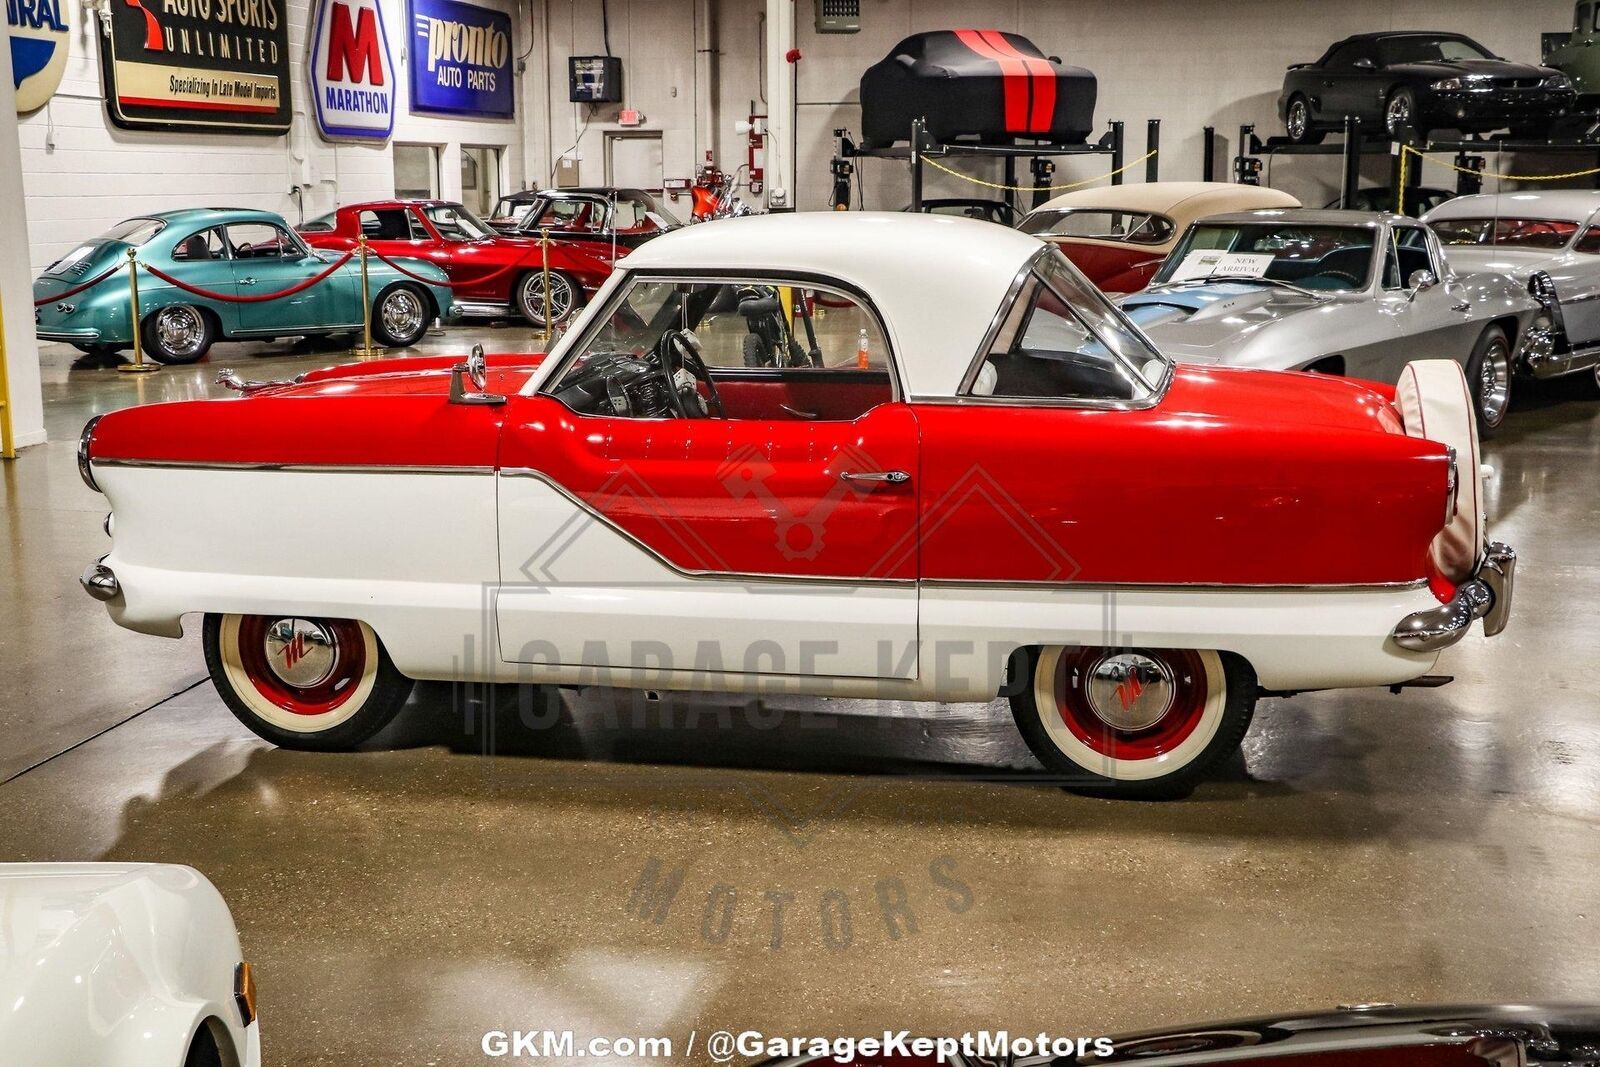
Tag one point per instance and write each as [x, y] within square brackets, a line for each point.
[876, 477]
[247, 281]
[1464, 305]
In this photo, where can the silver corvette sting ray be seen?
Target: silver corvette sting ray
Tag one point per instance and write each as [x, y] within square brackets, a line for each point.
[1342, 292]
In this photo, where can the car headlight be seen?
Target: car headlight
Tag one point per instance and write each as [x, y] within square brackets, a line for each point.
[85, 468]
[1558, 81]
[1447, 83]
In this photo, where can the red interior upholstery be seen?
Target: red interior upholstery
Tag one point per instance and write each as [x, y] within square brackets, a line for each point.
[832, 395]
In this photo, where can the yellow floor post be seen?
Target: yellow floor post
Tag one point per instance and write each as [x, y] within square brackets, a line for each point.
[138, 366]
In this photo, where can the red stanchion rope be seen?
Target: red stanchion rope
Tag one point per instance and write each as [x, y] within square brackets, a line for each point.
[260, 298]
[475, 282]
[75, 290]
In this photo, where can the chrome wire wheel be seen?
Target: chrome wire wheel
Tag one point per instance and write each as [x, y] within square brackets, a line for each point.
[530, 297]
[1494, 381]
[1298, 120]
[403, 315]
[180, 331]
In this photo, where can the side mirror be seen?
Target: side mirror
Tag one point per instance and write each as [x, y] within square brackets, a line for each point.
[475, 370]
[1365, 64]
[1421, 281]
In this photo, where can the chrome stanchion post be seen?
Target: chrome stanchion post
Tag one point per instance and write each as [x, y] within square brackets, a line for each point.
[366, 351]
[544, 256]
[138, 366]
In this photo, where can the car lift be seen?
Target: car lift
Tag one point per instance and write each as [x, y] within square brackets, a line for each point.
[1041, 157]
[1470, 155]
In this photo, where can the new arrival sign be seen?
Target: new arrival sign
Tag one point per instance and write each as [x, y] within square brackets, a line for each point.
[219, 65]
[352, 74]
[38, 31]
[460, 59]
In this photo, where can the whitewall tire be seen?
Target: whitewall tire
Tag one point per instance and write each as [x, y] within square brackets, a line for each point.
[1136, 721]
[304, 683]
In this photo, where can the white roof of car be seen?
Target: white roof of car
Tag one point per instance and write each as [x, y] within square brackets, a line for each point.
[937, 280]
[1571, 205]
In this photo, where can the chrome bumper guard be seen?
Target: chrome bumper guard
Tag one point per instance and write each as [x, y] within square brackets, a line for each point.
[98, 581]
[1487, 596]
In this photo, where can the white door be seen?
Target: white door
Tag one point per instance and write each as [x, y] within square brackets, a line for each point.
[634, 161]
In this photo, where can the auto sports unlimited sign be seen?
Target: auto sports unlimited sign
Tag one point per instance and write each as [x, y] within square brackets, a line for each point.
[352, 73]
[460, 59]
[38, 32]
[217, 65]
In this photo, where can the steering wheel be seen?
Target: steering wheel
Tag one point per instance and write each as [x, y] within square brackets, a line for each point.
[683, 347]
[1353, 280]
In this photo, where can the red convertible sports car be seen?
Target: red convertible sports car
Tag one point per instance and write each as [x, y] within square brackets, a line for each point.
[490, 274]
[986, 481]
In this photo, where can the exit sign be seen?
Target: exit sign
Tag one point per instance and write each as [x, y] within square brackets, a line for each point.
[629, 117]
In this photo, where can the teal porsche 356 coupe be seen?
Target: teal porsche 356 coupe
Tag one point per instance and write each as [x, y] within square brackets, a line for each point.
[232, 261]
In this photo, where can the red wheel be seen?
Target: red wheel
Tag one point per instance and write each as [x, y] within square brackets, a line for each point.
[304, 682]
[1143, 720]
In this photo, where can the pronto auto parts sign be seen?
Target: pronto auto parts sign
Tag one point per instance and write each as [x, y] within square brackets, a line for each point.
[352, 73]
[460, 59]
[219, 65]
[38, 32]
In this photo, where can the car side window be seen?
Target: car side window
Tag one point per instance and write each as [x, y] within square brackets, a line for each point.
[775, 352]
[261, 240]
[1344, 57]
[1412, 253]
[207, 244]
[1045, 350]
[388, 224]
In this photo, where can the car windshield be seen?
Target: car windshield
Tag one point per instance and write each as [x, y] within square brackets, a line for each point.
[320, 224]
[1139, 227]
[514, 210]
[456, 223]
[1306, 256]
[1546, 234]
[134, 232]
[1419, 48]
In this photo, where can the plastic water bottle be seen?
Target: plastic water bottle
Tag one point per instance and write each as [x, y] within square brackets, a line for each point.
[863, 351]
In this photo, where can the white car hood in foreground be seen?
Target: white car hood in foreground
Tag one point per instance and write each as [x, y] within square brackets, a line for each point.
[115, 965]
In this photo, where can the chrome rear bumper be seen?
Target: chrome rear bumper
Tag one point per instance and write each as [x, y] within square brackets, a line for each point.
[1486, 596]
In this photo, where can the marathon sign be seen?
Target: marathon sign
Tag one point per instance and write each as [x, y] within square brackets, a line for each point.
[351, 70]
[216, 65]
[460, 59]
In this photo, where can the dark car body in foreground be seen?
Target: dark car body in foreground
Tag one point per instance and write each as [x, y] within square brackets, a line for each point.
[1357, 1036]
[1421, 80]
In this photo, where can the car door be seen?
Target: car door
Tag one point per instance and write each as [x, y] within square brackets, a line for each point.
[778, 540]
[267, 258]
[1576, 275]
[201, 260]
[1438, 321]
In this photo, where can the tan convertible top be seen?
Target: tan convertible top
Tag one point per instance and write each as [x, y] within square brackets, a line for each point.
[1182, 202]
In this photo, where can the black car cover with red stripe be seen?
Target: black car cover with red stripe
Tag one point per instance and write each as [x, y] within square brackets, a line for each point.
[982, 85]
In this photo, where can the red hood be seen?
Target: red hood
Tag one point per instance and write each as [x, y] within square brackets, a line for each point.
[1289, 400]
[407, 375]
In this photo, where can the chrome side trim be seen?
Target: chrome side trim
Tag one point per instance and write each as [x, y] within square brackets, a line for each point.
[685, 572]
[315, 468]
[98, 581]
[1486, 596]
[1254, 587]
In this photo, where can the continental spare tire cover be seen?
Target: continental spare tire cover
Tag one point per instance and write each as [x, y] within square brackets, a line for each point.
[1435, 403]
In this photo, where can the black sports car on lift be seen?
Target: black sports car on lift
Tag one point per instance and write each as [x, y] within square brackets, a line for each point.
[1424, 81]
[981, 85]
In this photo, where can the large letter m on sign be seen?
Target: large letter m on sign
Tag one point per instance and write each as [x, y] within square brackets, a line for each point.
[354, 46]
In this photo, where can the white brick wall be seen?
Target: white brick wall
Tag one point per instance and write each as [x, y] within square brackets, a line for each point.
[81, 174]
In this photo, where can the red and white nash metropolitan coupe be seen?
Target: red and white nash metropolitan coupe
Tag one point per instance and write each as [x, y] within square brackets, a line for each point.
[982, 480]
